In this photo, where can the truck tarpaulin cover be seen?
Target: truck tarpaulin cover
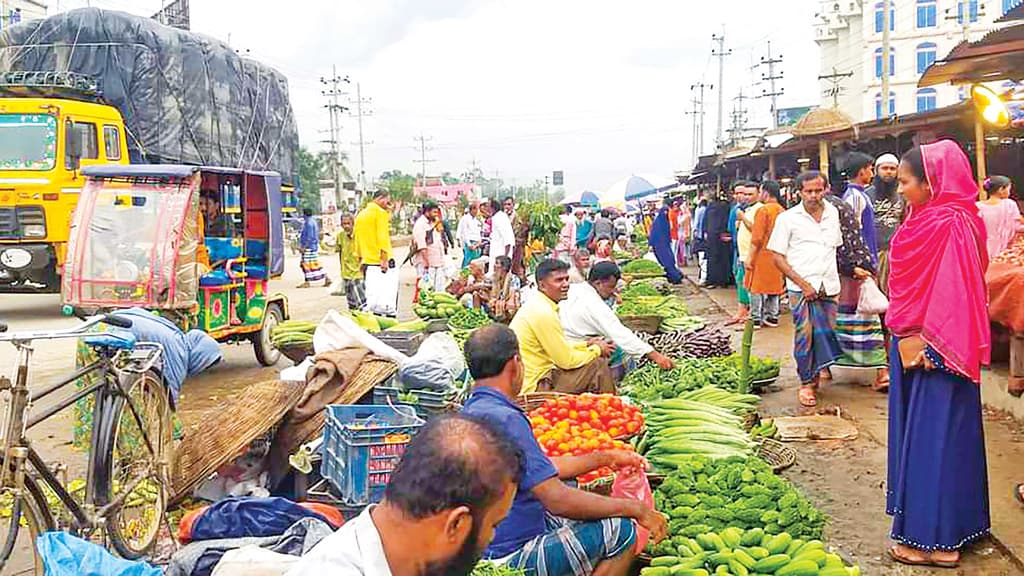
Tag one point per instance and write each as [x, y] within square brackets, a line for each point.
[185, 98]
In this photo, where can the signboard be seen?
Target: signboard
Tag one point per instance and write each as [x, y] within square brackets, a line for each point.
[328, 201]
[790, 116]
[558, 178]
[446, 193]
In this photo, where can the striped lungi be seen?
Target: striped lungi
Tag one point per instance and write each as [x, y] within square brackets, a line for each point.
[860, 336]
[815, 346]
[573, 547]
[311, 268]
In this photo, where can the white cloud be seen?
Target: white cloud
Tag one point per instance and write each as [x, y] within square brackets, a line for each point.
[596, 88]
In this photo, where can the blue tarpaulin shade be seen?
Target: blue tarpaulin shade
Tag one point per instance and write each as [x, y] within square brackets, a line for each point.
[635, 187]
[584, 197]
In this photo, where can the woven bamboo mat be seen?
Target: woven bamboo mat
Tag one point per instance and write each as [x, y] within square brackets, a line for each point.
[219, 433]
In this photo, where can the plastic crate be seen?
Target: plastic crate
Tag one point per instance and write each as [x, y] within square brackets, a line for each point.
[358, 461]
[429, 404]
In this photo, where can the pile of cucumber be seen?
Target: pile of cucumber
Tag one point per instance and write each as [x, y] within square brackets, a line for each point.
[292, 333]
[436, 305]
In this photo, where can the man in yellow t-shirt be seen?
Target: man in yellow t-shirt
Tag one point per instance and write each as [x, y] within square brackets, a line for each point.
[373, 233]
[550, 361]
[351, 276]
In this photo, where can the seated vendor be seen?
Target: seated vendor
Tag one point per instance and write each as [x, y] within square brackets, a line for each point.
[453, 485]
[586, 314]
[501, 300]
[580, 266]
[552, 529]
[552, 363]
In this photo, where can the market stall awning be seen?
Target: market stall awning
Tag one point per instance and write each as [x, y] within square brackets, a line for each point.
[583, 197]
[999, 55]
[635, 187]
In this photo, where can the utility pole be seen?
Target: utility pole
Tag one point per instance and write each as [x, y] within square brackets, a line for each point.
[332, 93]
[836, 79]
[963, 17]
[423, 140]
[694, 135]
[771, 77]
[886, 50]
[359, 101]
[739, 118]
[699, 117]
[721, 53]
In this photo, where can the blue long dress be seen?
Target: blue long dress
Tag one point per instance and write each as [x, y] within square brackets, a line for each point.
[660, 241]
[937, 489]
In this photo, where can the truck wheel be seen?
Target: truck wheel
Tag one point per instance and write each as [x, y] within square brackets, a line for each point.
[266, 354]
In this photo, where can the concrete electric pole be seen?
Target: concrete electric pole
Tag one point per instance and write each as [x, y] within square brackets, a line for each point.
[771, 77]
[836, 79]
[721, 53]
[333, 93]
[423, 161]
[359, 101]
[886, 51]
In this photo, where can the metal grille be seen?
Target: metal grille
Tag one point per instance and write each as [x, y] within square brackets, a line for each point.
[29, 216]
[8, 223]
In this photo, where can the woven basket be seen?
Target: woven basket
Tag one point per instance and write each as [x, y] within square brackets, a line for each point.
[750, 420]
[776, 454]
[650, 323]
[529, 402]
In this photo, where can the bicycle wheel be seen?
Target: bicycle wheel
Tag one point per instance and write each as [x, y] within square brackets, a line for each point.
[134, 463]
[20, 523]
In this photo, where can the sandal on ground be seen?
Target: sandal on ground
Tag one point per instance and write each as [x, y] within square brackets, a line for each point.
[825, 375]
[925, 561]
[1017, 493]
[807, 397]
[881, 384]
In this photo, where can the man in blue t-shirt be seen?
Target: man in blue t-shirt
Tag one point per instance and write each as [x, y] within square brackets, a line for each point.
[552, 529]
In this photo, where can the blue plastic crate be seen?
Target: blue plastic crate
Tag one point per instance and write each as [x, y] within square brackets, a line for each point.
[358, 461]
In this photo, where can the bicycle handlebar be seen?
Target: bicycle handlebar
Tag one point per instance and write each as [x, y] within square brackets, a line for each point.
[80, 330]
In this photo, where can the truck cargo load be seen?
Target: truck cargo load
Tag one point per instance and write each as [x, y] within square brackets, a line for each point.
[186, 98]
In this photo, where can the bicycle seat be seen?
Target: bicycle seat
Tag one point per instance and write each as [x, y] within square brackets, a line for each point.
[117, 339]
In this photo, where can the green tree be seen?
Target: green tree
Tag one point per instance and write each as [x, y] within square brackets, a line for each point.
[398, 184]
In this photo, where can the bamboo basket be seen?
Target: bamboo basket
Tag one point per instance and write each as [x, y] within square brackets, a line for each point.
[776, 454]
[529, 402]
[648, 323]
[218, 434]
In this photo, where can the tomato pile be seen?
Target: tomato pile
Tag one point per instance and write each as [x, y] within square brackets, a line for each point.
[578, 425]
[601, 412]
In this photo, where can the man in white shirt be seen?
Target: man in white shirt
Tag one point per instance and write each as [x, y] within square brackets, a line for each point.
[585, 314]
[503, 238]
[470, 233]
[804, 244]
[428, 524]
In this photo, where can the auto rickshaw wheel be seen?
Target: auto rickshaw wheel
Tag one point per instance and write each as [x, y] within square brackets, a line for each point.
[266, 353]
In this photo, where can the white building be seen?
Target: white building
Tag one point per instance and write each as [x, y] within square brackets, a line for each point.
[14, 11]
[849, 33]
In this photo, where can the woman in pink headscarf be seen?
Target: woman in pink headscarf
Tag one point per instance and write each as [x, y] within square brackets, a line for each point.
[937, 482]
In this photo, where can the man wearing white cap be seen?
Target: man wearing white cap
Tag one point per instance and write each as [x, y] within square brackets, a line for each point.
[885, 177]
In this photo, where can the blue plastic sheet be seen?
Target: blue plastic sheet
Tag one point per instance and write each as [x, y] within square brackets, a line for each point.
[66, 555]
[245, 517]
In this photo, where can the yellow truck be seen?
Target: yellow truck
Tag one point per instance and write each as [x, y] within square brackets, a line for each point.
[44, 143]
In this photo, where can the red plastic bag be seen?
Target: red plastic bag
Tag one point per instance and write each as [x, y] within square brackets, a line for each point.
[632, 483]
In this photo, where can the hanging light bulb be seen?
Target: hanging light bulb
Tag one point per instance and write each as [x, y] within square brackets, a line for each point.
[990, 106]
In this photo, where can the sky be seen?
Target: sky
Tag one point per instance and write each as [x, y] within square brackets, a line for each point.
[598, 89]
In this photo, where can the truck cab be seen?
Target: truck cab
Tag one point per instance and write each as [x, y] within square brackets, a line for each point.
[51, 126]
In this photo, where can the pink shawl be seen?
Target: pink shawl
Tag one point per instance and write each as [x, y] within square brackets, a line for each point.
[937, 264]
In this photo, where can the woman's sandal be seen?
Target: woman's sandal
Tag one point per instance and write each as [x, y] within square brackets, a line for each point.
[807, 397]
[924, 561]
[881, 383]
[1017, 493]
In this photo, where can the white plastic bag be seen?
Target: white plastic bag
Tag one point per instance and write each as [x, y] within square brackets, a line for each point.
[336, 332]
[254, 561]
[871, 300]
[441, 346]
[382, 291]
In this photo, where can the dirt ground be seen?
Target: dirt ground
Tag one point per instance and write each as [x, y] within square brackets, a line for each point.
[846, 479]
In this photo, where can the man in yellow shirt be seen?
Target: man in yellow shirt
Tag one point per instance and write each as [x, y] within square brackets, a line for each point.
[551, 362]
[373, 232]
[351, 276]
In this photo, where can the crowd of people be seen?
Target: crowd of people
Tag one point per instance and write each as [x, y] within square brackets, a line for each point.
[907, 228]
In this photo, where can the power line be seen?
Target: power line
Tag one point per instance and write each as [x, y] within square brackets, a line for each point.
[836, 79]
[699, 118]
[359, 101]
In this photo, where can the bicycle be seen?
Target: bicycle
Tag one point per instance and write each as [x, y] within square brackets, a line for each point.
[128, 471]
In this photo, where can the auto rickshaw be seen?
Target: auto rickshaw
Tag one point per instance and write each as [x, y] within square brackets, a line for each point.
[197, 245]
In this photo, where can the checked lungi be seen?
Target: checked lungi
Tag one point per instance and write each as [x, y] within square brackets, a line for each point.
[311, 269]
[815, 346]
[573, 548]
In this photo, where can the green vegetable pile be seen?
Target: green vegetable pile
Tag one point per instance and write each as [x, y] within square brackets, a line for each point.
[664, 306]
[760, 368]
[642, 267]
[436, 305]
[652, 383]
[735, 552]
[486, 568]
[766, 429]
[679, 429]
[635, 289]
[469, 319]
[705, 495]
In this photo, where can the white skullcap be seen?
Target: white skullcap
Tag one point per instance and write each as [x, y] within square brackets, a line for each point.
[887, 159]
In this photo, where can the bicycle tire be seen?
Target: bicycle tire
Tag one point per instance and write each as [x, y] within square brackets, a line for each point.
[116, 426]
[35, 512]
